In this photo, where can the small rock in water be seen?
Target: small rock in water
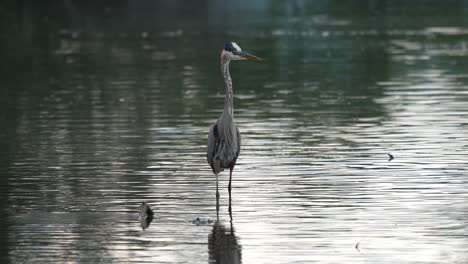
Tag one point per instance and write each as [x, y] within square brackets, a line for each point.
[199, 221]
[145, 210]
[146, 215]
[390, 157]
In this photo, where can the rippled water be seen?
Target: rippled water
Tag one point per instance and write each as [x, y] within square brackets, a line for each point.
[103, 114]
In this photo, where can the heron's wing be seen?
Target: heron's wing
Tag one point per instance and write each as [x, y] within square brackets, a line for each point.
[212, 142]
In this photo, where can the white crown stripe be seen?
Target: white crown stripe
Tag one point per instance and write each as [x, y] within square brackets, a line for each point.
[236, 46]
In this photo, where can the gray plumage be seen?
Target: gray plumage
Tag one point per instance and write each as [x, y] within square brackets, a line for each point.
[224, 139]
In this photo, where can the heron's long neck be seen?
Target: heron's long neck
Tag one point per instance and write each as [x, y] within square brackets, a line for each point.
[228, 101]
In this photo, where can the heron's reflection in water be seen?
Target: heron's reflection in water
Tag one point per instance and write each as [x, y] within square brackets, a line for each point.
[223, 246]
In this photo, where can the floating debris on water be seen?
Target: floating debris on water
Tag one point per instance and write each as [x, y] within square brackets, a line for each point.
[390, 157]
[357, 247]
[199, 221]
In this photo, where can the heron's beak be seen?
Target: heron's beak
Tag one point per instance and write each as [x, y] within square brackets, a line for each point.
[248, 56]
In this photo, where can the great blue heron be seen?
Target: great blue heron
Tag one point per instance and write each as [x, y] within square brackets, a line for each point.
[224, 137]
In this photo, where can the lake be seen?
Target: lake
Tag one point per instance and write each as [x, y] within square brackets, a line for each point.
[104, 106]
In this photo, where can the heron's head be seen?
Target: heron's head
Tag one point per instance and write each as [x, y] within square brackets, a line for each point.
[232, 51]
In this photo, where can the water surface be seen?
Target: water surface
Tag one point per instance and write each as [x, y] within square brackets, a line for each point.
[104, 107]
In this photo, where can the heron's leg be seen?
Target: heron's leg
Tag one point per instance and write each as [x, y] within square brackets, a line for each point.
[230, 177]
[217, 170]
[229, 189]
[217, 192]
[217, 196]
[230, 207]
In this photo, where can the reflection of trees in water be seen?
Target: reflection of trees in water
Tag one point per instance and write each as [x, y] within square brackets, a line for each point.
[223, 246]
[331, 70]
